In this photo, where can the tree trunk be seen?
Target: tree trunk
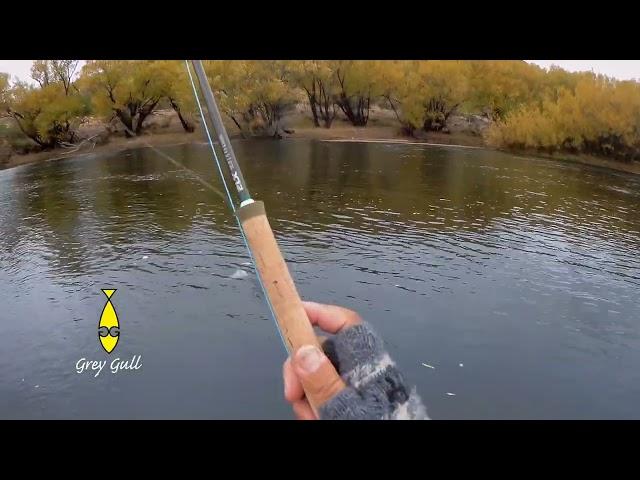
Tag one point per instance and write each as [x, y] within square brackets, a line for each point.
[407, 127]
[141, 118]
[33, 136]
[143, 113]
[274, 115]
[345, 106]
[327, 106]
[237, 125]
[188, 126]
[313, 103]
[437, 115]
[358, 118]
[126, 120]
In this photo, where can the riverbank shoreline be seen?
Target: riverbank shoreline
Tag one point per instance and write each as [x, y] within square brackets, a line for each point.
[175, 136]
[338, 134]
[633, 168]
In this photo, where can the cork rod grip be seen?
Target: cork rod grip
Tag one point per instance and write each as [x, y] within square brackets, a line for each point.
[290, 315]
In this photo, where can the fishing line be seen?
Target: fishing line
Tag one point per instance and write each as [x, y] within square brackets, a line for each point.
[228, 198]
[233, 208]
[178, 164]
[206, 129]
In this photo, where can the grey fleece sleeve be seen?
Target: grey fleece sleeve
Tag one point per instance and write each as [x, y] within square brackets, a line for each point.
[375, 388]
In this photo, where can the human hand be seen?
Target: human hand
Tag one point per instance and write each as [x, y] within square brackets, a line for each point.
[369, 386]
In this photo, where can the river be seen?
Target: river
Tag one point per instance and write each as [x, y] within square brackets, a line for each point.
[505, 288]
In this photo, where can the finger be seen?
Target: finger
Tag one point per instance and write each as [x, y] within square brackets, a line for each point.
[303, 410]
[330, 318]
[292, 387]
[317, 374]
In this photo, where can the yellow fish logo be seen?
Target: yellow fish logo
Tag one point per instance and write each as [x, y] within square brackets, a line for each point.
[109, 327]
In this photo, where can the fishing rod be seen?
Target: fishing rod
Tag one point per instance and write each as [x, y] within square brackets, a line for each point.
[273, 274]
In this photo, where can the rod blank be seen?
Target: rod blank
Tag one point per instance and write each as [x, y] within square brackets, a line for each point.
[221, 132]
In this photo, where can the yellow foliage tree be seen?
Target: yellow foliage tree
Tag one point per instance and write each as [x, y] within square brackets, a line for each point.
[599, 116]
[254, 94]
[124, 89]
[228, 80]
[423, 94]
[48, 115]
[357, 87]
[46, 72]
[500, 86]
[318, 80]
[173, 82]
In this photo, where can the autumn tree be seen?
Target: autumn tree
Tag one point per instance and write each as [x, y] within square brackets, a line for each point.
[423, 94]
[173, 82]
[501, 86]
[318, 80]
[445, 88]
[556, 80]
[270, 95]
[599, 116]
[356, 89]
[227, 79]
[398, 82]
[127, 90]
[51, 113]
[254, 94]
[46, 115]
[46, 72]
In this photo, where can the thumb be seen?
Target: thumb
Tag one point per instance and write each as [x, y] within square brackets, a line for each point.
[317, 374]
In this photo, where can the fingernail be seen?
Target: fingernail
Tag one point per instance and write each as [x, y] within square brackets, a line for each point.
[309, 358]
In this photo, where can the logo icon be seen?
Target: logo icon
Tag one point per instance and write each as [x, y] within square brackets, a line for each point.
[109, 327]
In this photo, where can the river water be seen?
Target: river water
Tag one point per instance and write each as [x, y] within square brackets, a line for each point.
[505, 288]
